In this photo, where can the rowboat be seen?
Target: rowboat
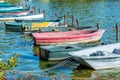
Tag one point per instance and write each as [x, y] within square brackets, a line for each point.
[67, 37]
[63, 29]
[6, 5]
[13, 26]
[99, 57]
[9, 14]
[56, 52]
[22, 13]
[13, 12]
[32, 26]
[26, 17]
[22, 26]
[60, 51]
[42, 20]
[10, 8]
[13, 9]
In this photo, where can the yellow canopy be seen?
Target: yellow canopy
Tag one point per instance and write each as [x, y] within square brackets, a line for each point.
[38, 25]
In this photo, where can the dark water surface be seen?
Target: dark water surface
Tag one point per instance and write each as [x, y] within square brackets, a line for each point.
[89, 13]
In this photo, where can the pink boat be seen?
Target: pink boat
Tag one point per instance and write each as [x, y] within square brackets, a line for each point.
[68, 37]
[21, 13]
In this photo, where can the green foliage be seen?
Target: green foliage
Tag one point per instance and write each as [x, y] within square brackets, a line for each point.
[13, 1]
[2, 75]
[7, 65]
[4, 66]
[13, 60]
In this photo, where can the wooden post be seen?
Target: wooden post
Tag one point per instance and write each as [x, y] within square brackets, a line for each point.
[39, 11]
[98, 26]
[56, 15]
[72, 21]
[21, 4]
[78, 23]
[28, 6]
[117, 32]
[44, 13]
[33, 10]
[65, 19]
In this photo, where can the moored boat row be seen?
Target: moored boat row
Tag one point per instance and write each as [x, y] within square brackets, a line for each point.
[58, 34]
[12, 13]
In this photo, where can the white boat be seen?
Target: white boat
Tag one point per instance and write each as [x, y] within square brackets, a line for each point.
[26, 17]
[99, 57]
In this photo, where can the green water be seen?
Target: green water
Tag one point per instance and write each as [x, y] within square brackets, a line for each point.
[89, 13]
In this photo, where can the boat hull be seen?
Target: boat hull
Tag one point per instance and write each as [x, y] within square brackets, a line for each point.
[57, 52]
[6, 5]
[16, 13]
[100, 62]
[4, 10]
[80, 38]
[75, 41]
[13, 26]
[30, 26]
[26, 17]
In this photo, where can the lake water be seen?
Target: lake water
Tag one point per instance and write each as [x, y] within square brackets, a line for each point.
[88, 12]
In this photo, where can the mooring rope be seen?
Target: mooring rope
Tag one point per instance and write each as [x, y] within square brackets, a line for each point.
[60, 64]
